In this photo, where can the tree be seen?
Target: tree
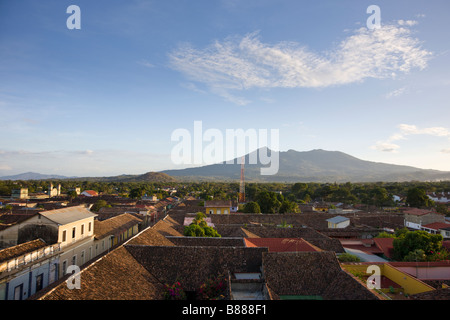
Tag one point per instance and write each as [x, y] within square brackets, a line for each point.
[199, 228]
[136, 193]
[416, 255]
[252, 207]
[194, 230]
[268, 202]
[416, 240]
[417, 197]
[289, 207]
[385, 234]
[72, 194]
[100, 204]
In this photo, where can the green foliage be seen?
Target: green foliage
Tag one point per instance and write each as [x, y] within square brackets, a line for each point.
[417, 197]
[412, 241]
[100, 204]
[200, 228]
[348, 257]
[252, 207]
[284, 224]
[268, 202]
[289, 207]
[416, 255]
[385, 234]
[213, 289]
[174, 291]
[194, 230]
[400, 232]
[72, 194]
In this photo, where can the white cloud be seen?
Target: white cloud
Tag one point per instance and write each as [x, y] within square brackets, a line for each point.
[145, 63]
[445, 150]
[242, 63]
[395, 93]
[385, 146]
[409, 23]
[433, 131]
[5, 167]
[408, 130]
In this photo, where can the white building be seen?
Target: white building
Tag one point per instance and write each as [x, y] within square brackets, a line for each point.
[74, 227]
[338, 222]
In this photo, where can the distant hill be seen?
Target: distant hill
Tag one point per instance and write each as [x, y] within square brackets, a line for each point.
[312, 166]
[146, 177]
[150, 177]
[294, 166]
[33, 176]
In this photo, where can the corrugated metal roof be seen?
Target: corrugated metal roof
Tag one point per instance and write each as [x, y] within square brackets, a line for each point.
[338, 219]
[68, 215]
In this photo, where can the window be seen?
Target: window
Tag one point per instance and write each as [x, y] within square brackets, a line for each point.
[64, 236]
[39, 282]
[18, 292]
[218, 211]
[73, 232]
[89, 227]
[82, 229]
[64, 267]
[74, 260]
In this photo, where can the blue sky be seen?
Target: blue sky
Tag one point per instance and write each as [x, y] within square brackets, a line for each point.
[105, 99]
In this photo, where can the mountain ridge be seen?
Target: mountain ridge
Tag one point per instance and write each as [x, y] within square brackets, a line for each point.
[316, 165]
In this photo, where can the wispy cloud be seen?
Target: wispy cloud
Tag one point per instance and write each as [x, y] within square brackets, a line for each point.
[406, 130]
[239, 63]
[5, 167]
[395, 93]
[145, 63]
[409, 23]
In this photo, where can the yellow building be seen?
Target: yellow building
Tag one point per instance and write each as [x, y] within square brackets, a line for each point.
[218, 207]
[406, 283]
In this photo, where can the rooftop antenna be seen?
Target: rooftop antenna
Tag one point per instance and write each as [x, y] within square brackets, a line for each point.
[242, 184]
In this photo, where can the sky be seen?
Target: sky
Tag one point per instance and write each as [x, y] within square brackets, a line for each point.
[105, 98]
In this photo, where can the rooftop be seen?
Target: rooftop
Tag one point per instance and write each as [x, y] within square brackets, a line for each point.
[437, 225]
[21, 249]
[68, 215]
[218, 203]
[113, 225]
[337, 219]
[282, 244]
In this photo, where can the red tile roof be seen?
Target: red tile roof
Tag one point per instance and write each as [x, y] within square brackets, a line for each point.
[417, 212]
[437, 225]
[91, 192]
[386, 245]
[282, 244]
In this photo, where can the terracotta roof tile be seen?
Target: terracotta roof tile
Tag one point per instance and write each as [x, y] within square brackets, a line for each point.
[21, 249]
[150, 237]
[114, 225]
[437, 225]
[116, 276]
[282, 244]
